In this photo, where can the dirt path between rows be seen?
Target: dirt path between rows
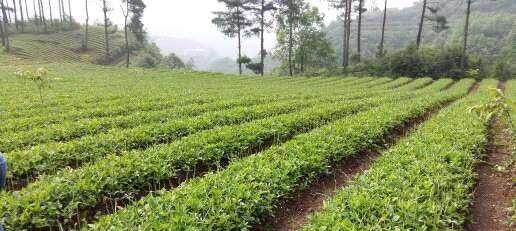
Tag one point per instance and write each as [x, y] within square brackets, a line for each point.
[494, 190]
[294, 212]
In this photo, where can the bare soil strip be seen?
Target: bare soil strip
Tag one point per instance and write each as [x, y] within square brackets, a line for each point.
[293, 213]
[495, 189]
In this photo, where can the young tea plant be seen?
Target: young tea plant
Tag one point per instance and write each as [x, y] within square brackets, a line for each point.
[39, 77]
[499, 107]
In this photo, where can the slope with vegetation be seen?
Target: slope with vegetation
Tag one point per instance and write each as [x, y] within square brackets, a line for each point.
[64, 46]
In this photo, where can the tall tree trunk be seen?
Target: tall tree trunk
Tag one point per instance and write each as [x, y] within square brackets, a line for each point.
[15, 16]
[381, 52]
[126, 15]
[2, 36]
[290, 37]
[63, 11]
[86, 26]
[465, 42]
[22, 19]
[9, 19]
[50, 11]
[344, 35]
[60, 12]
[36, 18]
[302, 58]
[27, 11]
[239, 34]
[262, 32]
[421, 23]
[43, 16]
[359, 32]
[347, 33]
[106, 24]
[4, 24]
[70, 12]
[40, 11]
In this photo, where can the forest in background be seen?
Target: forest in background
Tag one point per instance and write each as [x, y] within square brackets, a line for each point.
[305, 45]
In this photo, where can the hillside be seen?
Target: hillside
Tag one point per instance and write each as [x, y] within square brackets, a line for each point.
[64, 46]
[491, 28]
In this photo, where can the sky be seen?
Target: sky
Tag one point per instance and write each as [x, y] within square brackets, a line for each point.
[191, 19]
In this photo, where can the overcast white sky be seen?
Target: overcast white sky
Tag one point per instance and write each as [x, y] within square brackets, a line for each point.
[190, 19]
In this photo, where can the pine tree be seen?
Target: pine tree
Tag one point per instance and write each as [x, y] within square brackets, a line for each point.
[136, 9]
[22, 19]
[261, 10]
[50, 11]
[15, 16]
[466, 33]
[5, 30]
[288, 16]
[234, 22]
[381, 51]
[360, 9]
[440, 21]
[86, 26]
[107, 23]
[345, 7]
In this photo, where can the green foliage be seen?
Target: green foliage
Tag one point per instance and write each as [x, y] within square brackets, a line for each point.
[255, 67]
[255, 185]
[235, 20]
[491, 26]
[503, 70]
[136, 8]
[68, 46]
[311, 48]
[423, 182]
[426, 61]
[497, 107]
[151, 56]
[172, 61]
[244, 60]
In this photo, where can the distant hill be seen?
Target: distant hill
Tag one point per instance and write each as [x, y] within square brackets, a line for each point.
[202, 55]
[65, 46]
[491, 28]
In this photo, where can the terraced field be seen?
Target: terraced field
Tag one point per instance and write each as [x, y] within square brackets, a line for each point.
[65, 46]
[112, 149]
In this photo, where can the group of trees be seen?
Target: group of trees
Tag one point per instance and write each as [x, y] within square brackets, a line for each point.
[152, 57]
[301, 40]
[132, 10]
[18, 17]
[245, 18]
[302, 43]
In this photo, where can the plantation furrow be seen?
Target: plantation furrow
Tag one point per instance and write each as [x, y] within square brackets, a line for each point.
[397, 83]
[70, 130]
[116, 109]
[423, 182]
[120, 101]
[246, 191]
[293, 213]
[495, 188]
[75, 129]
[139, 172]
[414, 85]
[51, 157]
[48, 158]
